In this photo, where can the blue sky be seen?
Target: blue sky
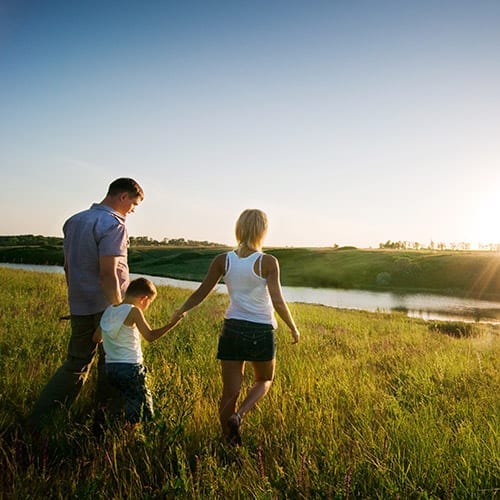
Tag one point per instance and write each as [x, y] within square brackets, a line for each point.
[348, 122]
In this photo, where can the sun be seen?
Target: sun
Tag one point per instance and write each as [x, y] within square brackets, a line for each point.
[486, 228]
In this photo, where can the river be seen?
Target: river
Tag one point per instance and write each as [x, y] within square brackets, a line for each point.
[425, 306]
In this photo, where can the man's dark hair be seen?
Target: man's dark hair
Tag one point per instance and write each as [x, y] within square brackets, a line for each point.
[125, 185]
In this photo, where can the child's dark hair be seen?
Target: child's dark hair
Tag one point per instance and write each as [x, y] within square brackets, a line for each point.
[140, 287]
[125, 185]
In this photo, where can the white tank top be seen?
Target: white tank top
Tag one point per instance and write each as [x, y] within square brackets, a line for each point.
[121, 343]
[248, 293]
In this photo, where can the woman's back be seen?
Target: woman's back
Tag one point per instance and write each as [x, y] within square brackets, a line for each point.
[248, 293]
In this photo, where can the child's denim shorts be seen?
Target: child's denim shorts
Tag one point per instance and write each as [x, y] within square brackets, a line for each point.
[246, 341]
[130, 380]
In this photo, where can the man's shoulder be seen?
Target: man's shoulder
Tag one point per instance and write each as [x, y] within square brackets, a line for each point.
[97, 215]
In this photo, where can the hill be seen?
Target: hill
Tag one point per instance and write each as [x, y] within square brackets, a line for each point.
[472, 274]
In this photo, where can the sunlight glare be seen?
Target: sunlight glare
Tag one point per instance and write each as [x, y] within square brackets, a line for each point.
[487, 222]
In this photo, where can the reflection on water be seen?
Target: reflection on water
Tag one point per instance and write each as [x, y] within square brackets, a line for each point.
[425, 306]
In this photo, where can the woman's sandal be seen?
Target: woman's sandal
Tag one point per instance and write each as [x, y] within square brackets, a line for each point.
[234, 424]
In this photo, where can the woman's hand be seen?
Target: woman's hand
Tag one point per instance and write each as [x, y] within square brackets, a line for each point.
[296, 336]
[177, 316]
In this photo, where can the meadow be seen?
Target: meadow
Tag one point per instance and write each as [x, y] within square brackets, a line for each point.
[367, 406]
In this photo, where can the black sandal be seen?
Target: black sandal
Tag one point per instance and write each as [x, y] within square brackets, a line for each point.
[234, 424]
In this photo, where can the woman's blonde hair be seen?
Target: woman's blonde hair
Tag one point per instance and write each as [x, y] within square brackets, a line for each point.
[251, 227]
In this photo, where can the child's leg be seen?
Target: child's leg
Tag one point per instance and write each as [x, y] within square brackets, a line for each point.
[130, 379]
[147, 397]
[139, 401]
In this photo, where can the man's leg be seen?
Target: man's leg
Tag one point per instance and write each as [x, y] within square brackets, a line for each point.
[66, 383]
[107, 397]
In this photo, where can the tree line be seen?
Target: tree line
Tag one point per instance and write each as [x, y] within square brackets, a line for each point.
[39, 240]
[137, 241]
[415, 245]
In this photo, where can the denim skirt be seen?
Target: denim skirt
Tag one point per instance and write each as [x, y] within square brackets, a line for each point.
[246, 341]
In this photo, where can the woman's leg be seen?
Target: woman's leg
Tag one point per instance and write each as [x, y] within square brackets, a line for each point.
[264, 374]
[232, 377]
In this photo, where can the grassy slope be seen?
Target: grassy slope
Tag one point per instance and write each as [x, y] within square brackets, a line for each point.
[474, 274]
[366, 406]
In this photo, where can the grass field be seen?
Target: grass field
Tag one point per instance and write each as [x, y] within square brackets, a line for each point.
[366, 406]
[467, 274]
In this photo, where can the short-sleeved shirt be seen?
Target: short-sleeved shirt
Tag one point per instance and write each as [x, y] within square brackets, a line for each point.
[97, 232]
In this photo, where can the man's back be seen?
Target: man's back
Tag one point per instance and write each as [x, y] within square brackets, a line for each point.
[88, 235]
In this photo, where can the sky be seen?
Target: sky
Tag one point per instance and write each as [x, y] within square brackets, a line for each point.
[349, 122]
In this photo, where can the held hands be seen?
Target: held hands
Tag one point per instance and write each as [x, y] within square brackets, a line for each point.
[176, 317]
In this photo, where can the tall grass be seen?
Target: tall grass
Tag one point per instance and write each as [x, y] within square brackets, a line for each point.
[366, 406]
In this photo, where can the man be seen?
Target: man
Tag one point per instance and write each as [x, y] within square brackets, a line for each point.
[95, 264]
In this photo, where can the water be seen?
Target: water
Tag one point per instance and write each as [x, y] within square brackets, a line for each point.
[425, 306]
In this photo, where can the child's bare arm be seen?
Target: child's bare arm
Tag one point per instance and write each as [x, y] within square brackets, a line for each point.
[145, 330]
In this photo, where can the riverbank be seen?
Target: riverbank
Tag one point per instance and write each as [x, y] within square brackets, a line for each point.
[424, 306]
[471, 274]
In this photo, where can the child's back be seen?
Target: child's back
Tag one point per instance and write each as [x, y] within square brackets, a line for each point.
[122, 343]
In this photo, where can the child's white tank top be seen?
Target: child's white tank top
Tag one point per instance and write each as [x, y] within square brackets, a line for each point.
[121, 343]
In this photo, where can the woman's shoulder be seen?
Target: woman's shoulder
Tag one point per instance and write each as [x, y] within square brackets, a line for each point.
[269, 263]
[219, 261]
[267, 257]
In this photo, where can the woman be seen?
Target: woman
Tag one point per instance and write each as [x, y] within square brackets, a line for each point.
[253, 282]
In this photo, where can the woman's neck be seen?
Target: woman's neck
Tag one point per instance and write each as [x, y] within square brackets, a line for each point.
[243, 250]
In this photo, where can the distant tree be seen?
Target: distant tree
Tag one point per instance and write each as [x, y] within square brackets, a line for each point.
[394, 245]
[30, 240]
[143, 241]
[38, 240]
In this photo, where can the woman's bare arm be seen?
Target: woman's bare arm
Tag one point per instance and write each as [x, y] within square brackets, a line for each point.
[214, 274]
[271, 272]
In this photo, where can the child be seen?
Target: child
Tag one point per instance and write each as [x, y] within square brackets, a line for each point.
[119, 331]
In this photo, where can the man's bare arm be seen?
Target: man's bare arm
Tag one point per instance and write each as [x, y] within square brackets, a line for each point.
[108, 267]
